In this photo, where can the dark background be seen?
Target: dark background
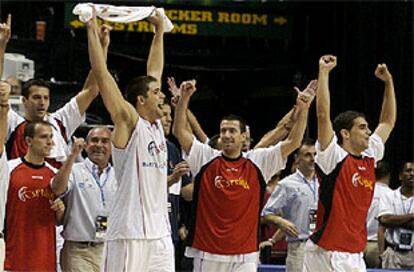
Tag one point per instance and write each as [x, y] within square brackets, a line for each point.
[249, 76]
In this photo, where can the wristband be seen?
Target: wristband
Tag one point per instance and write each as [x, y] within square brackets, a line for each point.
[272, 241]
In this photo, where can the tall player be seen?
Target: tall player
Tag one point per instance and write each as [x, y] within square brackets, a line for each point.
[346, 154]
[139, 239]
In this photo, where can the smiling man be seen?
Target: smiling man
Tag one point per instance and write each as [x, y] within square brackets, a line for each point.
[229, 187]
[139, 240]
[346, 153]
[31, 209]
[89, 188]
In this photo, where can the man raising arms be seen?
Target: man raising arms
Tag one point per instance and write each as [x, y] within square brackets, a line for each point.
[228, 188]
[139, 239]
[346, 155]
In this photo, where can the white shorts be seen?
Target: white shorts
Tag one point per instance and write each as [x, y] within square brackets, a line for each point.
[319, 259]
[139, 255]
[203, 265]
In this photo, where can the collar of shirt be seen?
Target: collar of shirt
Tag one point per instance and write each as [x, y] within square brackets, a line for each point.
[303, 178]
[93, 168]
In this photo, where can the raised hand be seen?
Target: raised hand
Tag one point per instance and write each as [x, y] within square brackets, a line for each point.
[306, 96]
[5, 31]
[157, 20]
[382, 73]
[5, 89]
[327, 63]
[104, 36]
[77, 146]
[93, 22]
[187, 88]
[172, 87]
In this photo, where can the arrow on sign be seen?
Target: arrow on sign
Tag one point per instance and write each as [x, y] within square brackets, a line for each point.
[280, 20]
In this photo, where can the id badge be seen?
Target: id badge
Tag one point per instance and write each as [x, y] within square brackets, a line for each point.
[169, 206]
[312, 220]
[101, 224]
[405, 240]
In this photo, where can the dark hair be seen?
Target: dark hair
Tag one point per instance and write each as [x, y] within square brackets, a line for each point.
[34, 82]
[29, 129]
[233, 117]
[382, 170]
[138, 86]
[305, 141]
[404, 166]
[345, 120]
[213, 142]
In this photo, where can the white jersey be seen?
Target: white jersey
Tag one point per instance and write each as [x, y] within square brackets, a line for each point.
[380, 191]
[139, 209]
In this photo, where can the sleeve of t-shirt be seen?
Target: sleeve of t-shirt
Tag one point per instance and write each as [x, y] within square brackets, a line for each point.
[276, 201]
[330, 157]
[70, 116]
[375, 148]
[385, 204]
[4, 172]
[269, 160]
[13, 120]
[199, 155]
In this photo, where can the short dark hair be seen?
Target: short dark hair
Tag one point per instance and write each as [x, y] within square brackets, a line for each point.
[305, 141]
[404, 166]
[234, 117]
[382, 170]
[213, 142]
[29, 129]
[34, 82]
[345, 120]
[138, 86]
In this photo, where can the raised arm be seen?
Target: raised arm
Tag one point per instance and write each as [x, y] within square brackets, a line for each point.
[295, 137]
[277, 134]
[389, 105]
[5, 32]
[192, 125]
[123, 115]
[90, 88]
[184, 137]
[155, 62]
[323, 102]
[4, 109]
[61, 180]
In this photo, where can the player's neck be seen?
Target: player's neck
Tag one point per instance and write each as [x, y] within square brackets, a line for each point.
[351, 150]
[34, 159]
[308, 174]
[407, 191]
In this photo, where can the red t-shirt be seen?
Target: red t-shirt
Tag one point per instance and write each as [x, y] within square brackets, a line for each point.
[30, 223]
[228, 196]
[344, 199]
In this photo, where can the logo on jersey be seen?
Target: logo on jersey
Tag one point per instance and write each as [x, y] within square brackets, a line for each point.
[220, 182]
[26, 194]
[153, 149]
[358, 181]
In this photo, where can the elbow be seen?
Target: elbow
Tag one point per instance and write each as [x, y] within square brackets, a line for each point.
[385, 221]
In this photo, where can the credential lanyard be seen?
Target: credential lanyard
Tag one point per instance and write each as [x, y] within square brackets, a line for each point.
[97, 180]
[403, 206]
[311, 187]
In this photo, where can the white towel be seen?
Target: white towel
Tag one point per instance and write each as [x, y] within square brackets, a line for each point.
[119, 14]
